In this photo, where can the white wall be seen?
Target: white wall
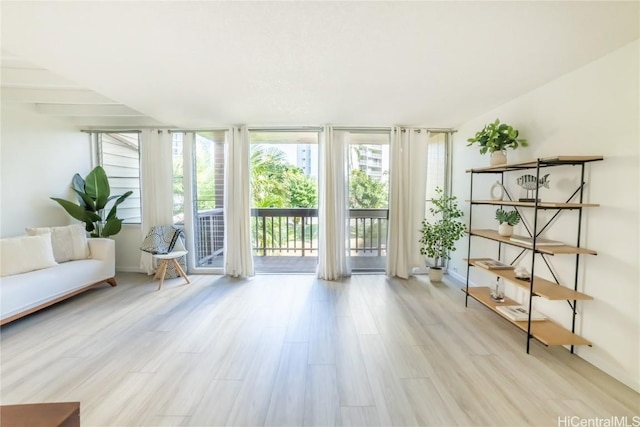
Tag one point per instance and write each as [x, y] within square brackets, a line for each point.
[39, 156]
[591, 111]
[128, 248]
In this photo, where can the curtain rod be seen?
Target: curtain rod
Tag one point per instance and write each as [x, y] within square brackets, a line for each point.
[363, 129]
[286, 129]
[443, 130]
[253, 129]
[111, 131]
[430, 130]
[197, 130]
[277, 129]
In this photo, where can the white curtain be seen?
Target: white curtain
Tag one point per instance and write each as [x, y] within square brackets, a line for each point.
[238, 257]
[332, 205]
[156, 185]
[407, 187]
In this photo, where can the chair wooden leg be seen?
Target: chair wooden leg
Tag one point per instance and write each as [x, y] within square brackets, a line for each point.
[180, 270]
[158, 269]
[162, 271]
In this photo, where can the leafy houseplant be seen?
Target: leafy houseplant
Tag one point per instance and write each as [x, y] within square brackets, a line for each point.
[510, 217]
[507, 219]
[93, 196]
[495, 138]
[439, 237]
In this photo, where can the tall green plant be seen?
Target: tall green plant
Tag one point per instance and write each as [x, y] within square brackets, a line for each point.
[94, 194]
[439, 237]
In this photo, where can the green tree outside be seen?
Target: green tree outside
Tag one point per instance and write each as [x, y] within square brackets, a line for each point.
[276, 183]
[365, 192]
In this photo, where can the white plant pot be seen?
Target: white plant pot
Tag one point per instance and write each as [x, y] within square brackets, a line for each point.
[498, 158]
[435, 274]
[505, 229]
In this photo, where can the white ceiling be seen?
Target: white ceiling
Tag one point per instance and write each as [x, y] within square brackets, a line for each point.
[205, 64]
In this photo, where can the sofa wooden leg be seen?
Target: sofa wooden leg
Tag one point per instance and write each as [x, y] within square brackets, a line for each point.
[112, 282]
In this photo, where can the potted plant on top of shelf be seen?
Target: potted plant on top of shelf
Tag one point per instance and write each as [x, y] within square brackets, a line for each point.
[507, 220]
[495, 138]
[439, 236]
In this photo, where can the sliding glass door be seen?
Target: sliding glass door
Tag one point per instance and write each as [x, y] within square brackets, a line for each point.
[368, 167]
[284, 214]
[198, 195]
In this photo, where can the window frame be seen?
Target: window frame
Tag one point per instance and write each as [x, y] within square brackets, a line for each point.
[97, 145]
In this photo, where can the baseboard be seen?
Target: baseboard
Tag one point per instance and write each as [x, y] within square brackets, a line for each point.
[418, 271]
[613, 370]
[591, 357]
[129, 270]
[458, 277]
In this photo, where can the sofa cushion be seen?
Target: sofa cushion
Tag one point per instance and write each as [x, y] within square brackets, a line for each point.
[21, 292]
[69, 242]
[26, 253]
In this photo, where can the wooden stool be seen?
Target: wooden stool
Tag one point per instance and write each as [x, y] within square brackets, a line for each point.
[164, 263]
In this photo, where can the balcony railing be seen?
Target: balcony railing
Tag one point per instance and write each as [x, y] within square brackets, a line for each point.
[291, 232]
[209, 237]
[284, 231]
[368, 229]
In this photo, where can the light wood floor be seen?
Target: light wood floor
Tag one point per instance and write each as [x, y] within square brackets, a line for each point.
[295, 351]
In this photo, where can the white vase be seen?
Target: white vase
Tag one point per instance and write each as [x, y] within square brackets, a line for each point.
[498, 158]
[505, 229]
[435, 274]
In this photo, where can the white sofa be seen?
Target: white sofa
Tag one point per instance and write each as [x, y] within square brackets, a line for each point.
[25, 293]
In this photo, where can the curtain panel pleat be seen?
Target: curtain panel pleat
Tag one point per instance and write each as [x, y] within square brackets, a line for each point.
[332, 205]
[156, 185]
[407, 187]
[238, 257]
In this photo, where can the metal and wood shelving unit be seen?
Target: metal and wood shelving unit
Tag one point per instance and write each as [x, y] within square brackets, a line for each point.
[546, 331]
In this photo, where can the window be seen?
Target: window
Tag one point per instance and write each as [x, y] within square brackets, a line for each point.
[437, 163]
[437, 167]
[368, 168]
[207, 182]
[178, 178]
[119, 155]
[284, 215]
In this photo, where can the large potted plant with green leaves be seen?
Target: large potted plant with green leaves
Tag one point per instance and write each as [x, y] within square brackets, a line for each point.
[495, 138]
[440, 235]
[94, 194]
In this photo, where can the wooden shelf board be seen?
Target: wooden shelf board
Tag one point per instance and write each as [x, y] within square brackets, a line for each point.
[571, 159]
[505, 167]
[548, 161]
[542, 205]
[550, 250]
[545, 331]
[541, 287]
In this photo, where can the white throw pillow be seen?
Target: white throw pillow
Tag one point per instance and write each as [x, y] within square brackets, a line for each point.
[69, 242]
[26, 253]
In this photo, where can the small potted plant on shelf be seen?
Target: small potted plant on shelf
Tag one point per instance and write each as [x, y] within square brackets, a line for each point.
[507, 220]
[440, 235]
[495, 138]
